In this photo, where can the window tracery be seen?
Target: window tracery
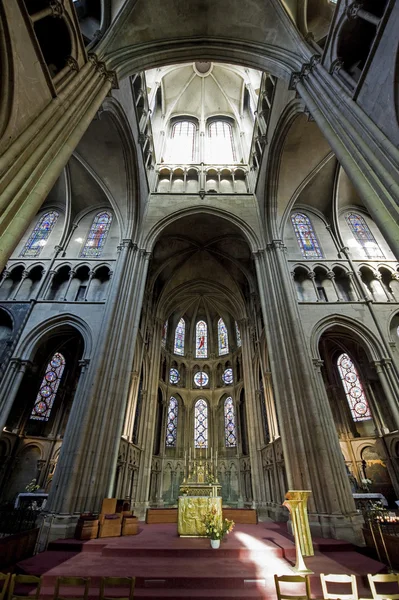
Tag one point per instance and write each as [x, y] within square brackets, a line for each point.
[97, 235]
[48, 388]
[201, 424]
[40, 234]
[201, 340]
[306, 236]
[355, 395]
[221, 142]
[174, 376]
[228, 376]
[201, 379]
[179, 337]
[363, 235]
[230, 423]
[171, 425]
[223, 339]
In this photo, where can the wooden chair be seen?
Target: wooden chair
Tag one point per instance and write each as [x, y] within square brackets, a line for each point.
[127, 583]
[4, 581]
[25, 580]
[391, 578]
[292, 579]
[350, 579]
[72, 582]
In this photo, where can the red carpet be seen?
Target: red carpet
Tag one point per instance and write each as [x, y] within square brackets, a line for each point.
[167, 566]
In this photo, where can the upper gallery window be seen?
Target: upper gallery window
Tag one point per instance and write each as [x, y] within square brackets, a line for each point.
[174, 376]
[353, 389]
[201, 340]
[229, 423]
[179, 337]
[223, 340]
[306, 236]
[39, 236]
[363, 235]
[48, 388]
[182, 142]
[221, 142]
[171, 425]
[201, 424]
[97, 235]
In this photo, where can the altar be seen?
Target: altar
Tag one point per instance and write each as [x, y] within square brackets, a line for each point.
[199, 494]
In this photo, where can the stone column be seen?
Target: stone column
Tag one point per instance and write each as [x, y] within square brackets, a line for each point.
[312, 454]
[10, 385]
[388, 392]
[88, 458]
[331, 277]
[24, 276]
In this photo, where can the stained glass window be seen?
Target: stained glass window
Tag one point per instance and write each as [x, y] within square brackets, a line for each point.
[223, 338]
[201, 424]
[97, 235]
[171, 425]
[201, 379]
[306, 236]
[363, 235]
[201, 340]
[174, 376]
[179, 337]
[238, 335]
[229, 423]
[182, 144]
[39, 236]
[48, 388]
[164, 333]
[353, 389]
[221, 143]
[228, 376]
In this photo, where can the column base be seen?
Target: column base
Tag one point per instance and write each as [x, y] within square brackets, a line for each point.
[336, 527]
[140, 510]
[55, 527]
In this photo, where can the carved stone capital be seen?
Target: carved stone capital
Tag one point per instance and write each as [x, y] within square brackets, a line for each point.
[57, 8]
[336, 66]
[72, 63]
[353, 9]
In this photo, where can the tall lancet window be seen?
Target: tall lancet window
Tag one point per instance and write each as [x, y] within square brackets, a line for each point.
[48, 388]
[363, 236]
[39, 236]
[164, 334]
[238, 335]
[221, 143]
[353, 389]
[201, 424]
[201, 340]
[230, 423]
[306, 236]
[179, 337]
[171, 425]
[223, 339]
[182, 142]
[97, 235]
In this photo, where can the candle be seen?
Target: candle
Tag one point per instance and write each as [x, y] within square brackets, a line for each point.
[216, 459]
[189, 454]
[206, 453]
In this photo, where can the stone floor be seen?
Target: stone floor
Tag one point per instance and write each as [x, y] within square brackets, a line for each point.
[166, 566]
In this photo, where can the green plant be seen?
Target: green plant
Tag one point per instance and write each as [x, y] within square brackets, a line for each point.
[32, 486]
[215, 527]
[211, 479]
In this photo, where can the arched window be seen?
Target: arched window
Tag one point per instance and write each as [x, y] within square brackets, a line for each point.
[174, 376]
[164, 334]
[353, 389]
[363, 235]
[229, 423]
[238, 335]
[201, 424]
[179, 337]
[201, 340]
[221, 143]
[97, 235]
[306, 236]
[223, 339]
[39, 236]
[48, 388]
[182, 142]
[171, 424]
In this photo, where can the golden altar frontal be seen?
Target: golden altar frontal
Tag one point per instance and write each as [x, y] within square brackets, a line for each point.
[191, 514]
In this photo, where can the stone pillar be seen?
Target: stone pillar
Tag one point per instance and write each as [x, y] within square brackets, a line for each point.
[88, 458]
[331, 277]
[388, 392]
[312, 453]
[10, 385]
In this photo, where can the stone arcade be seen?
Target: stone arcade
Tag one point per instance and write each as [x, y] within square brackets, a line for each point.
[199, 209]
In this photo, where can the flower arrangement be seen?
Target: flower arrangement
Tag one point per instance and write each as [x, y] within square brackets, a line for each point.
[216, 528]
[32, 486]
[210, 479]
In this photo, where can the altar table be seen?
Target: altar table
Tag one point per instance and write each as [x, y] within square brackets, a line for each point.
[191, 514]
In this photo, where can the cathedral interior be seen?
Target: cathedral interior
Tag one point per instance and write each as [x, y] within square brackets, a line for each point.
[200, 244]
